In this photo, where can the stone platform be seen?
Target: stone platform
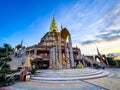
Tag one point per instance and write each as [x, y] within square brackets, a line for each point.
[68, 75]
[110, 82]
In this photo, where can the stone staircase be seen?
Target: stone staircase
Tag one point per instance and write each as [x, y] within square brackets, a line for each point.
[93, 61]
[68, 75]
[15, 63]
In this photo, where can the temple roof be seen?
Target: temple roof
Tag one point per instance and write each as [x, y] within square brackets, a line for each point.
[53, 25]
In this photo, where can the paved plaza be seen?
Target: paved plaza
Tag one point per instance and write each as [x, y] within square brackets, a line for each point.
[53, 86]
[111, 82]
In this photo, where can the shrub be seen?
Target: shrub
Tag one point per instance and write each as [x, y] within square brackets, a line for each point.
[79, 66]
[16, 77]
[117, 62]
[9, 80]
[33, 71]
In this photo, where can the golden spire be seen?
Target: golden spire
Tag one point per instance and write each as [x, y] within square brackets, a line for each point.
[53, 25]
[27, 62]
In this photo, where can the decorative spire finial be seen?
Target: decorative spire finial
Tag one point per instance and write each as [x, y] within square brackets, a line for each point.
[21, 42]
[53, 25]
[98, 51]
[61, 27]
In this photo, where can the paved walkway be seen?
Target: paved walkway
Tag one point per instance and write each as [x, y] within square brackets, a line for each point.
[111, 82]
[53, 86]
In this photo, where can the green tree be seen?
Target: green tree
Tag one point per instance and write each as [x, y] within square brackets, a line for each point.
[5, 52]
[5, 58]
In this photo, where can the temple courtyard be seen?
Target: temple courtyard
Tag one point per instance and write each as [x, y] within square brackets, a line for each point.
[53, 64]
[109, 82]
[60, 45]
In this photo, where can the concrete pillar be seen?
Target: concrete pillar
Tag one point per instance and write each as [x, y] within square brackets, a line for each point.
[52, 57]
[65, 51]
[56, 50]
[60, 49]
[35, 52]
[71, 52]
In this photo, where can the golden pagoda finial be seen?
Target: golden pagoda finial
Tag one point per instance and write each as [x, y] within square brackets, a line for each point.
[53, 25]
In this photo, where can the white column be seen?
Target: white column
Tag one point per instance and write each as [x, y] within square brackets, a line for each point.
[50, 62]
[65, 51]
[52, 57]
[35, 52]
[56, 51]
[71, 52]
[60, 51]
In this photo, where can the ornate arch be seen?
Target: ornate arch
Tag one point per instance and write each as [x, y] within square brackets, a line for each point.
[64, 34]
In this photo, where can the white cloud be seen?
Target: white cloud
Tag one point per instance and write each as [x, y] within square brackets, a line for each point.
[110, 21]
[95, 26]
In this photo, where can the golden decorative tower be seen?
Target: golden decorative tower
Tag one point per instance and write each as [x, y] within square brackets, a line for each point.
[53, 25]
[27, 62]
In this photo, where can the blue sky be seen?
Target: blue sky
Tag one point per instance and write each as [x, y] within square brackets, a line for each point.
[91, 22]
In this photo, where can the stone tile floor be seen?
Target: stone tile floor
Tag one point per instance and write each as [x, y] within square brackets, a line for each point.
[111, 82]
[53, 86]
